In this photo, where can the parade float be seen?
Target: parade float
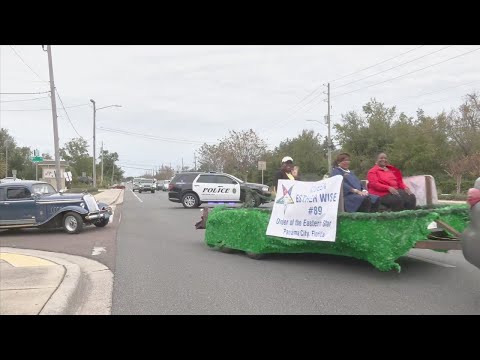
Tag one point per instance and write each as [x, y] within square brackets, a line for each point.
[378, 238]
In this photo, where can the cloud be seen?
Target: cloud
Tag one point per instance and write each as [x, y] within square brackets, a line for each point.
[200, 92]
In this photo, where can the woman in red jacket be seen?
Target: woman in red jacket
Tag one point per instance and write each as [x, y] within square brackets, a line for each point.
[386, 181]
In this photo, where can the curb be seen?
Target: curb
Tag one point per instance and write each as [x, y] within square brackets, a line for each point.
[121, 195]
[114, 201]
[60, 301]
[86, 287]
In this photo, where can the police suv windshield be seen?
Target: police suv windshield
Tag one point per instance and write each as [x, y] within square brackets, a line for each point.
[240, 181]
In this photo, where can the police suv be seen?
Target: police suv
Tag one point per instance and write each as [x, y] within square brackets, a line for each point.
[194, 188]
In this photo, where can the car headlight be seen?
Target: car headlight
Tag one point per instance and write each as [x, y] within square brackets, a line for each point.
[82, 205]
[265, 189]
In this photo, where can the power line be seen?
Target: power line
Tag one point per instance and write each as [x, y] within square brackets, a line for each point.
[394, 67]
[411, 72]
[295, 111]
[11, 47]
[394, 78]
[441, 90]
[31, 99]
[24, 93]
[68, 107]
[68, 117]
[151, 137]
[416, 96]
[369, 67]
[380, 72]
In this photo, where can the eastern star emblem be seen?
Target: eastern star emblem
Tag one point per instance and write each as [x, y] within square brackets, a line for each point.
[286, 199]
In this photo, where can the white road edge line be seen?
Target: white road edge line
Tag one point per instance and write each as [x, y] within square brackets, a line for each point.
[431, 261]
[136, 196]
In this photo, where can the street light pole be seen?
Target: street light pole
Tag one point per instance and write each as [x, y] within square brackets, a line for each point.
[94, 141]
[94, 158]
[329, 139]
[101, 176]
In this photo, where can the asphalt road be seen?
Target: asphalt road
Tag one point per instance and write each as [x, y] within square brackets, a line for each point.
[163, 267]
[94, 243]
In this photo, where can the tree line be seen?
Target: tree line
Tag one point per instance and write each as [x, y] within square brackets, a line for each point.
[74, 151]
[446, 146]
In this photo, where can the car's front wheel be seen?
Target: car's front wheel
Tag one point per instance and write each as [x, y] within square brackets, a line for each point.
[72, 223]
[190, 200]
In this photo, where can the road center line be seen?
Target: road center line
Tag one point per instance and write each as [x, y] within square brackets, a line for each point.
[431, 261]
[136, 196]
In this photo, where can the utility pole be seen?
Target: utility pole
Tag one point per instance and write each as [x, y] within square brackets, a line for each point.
[6, 157]
[101, 176]
[94, 162]
[113, 171]
[182, 164]
[329, 140]
[54, 115]
[195, 158]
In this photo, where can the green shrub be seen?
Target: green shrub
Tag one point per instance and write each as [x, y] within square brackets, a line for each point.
[90, 190]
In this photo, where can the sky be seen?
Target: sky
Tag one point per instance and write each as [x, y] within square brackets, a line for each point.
[178, 97]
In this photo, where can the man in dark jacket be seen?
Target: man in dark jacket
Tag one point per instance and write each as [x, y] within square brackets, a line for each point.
[285, 171]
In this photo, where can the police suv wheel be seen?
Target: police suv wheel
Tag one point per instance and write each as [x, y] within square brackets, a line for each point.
[72, 223]
[256, 202]
[255, 256]
[190, 200]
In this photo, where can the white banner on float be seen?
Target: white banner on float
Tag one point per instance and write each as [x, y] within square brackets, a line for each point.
[417, 185]
[306, 210]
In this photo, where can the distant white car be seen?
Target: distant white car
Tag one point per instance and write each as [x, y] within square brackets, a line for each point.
[165, 185]
[9, 179]
[136, 184]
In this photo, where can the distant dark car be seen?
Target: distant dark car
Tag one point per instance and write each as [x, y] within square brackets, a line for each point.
[194, 188]
[29, 204]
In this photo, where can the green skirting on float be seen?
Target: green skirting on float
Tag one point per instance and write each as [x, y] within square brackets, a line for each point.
[379, 238]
